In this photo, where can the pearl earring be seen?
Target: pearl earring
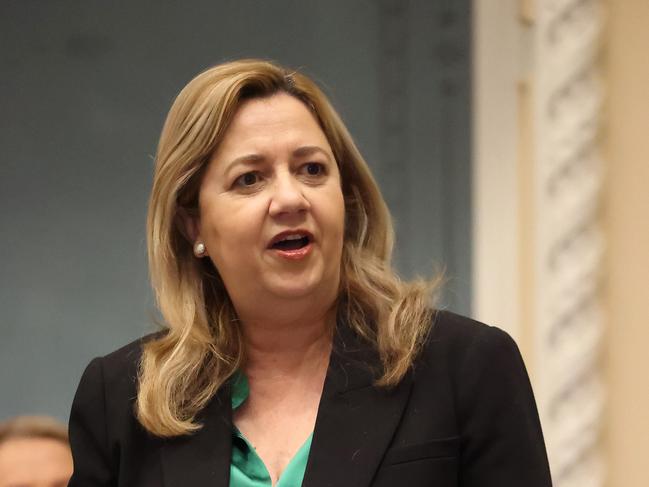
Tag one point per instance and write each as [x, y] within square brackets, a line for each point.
[199, 249]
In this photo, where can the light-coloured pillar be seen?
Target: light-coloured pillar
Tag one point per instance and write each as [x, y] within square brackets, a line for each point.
[538, 221]
[626, 194]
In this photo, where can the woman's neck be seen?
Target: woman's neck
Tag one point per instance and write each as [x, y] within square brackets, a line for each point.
[277, 348]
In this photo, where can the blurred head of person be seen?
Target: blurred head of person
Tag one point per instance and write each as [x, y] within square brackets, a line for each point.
[34, 452]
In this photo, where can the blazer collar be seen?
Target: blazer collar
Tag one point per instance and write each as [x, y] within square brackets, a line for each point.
[203, 458]
[356, 421]
[354, 426]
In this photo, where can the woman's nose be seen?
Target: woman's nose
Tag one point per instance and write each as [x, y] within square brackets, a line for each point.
[287, 196]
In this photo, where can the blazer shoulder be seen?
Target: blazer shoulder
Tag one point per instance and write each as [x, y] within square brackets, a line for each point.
[103, 429]
[494, 406]
[111, 381]
[460, 333]
[125, 360]
[115, 374]
[465, 347]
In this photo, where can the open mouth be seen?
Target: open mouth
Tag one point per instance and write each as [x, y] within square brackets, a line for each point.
[291, 242]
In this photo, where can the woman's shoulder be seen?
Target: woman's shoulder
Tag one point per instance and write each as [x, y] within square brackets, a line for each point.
[103, 428]
[116, 372]
[128, 356]
[458, 331]
[458, 340]
[478, 370]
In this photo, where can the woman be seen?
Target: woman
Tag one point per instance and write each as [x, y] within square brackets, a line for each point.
[292, 354]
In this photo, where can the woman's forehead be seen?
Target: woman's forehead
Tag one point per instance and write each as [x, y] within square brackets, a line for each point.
[262, 127]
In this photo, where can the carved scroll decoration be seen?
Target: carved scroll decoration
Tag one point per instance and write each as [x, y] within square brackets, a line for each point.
[569, 240]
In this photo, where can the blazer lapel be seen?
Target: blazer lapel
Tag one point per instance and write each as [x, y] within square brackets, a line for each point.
[356, 421]
[203, 458]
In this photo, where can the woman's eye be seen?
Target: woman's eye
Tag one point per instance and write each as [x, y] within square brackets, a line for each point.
[314, 169]
[247, 179]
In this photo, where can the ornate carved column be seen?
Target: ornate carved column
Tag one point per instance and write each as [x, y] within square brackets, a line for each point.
[569, 244]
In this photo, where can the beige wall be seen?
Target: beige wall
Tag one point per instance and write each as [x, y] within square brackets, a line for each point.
[625, 201]
[627, 219]
[496, 69]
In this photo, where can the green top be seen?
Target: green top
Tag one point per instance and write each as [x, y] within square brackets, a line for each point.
[246, 468]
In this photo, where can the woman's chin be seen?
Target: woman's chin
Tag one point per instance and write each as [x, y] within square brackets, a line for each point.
[293, 290]
[299, 287]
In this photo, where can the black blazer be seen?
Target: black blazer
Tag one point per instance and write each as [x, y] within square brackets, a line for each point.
[465, 416]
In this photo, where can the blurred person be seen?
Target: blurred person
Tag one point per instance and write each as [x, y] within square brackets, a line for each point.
[34, 452]
[292, 354]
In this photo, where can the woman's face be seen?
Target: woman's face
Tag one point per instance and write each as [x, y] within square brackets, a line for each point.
[271, 205]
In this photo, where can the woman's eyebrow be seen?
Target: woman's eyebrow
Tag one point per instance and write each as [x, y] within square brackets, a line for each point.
[308, 150]
[248, 159]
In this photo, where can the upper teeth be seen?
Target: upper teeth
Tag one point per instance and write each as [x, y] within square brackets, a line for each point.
[293, 237]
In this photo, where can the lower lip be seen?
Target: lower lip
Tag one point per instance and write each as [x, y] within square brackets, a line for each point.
[296, 254]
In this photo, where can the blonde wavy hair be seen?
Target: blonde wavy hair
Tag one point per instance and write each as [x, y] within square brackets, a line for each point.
[182, 369]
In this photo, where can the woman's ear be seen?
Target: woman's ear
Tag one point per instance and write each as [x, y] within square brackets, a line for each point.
[188, 223]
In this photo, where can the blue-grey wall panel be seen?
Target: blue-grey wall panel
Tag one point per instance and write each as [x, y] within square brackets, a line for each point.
[84, 89]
